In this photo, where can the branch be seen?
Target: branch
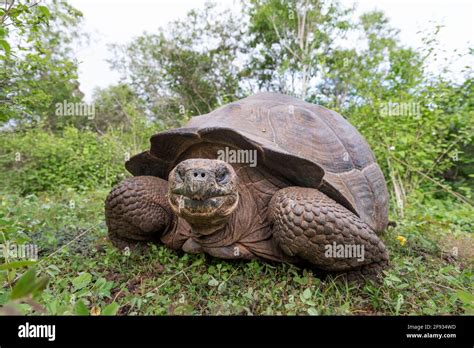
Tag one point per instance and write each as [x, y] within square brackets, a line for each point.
[272, 19]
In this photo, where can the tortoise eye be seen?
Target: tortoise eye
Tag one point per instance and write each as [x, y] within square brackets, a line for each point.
[180, 173]
[222, 175]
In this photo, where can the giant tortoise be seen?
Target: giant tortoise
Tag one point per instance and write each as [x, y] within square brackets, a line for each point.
[266, 177]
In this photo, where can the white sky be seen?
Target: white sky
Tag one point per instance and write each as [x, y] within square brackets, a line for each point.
[112, 21]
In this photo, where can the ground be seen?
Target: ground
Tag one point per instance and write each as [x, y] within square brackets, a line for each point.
[431, 252]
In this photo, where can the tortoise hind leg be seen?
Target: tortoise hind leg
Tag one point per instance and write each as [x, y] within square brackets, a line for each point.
[137, 211]
[308, 224]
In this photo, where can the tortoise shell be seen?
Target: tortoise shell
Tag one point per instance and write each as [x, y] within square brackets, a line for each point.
[303, 143]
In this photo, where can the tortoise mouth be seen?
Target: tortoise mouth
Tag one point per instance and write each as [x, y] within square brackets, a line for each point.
[183, 204]
[204, 214]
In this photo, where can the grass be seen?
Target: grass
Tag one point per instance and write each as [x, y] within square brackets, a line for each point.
[87, 275]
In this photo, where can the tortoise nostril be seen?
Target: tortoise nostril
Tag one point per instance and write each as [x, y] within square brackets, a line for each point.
[199, 174]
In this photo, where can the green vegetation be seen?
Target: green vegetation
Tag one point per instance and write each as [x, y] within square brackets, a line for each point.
[88, 273]
[56, 170]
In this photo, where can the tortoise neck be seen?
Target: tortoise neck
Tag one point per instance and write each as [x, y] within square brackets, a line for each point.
[206, 230]
[206, 235]
[221, 233]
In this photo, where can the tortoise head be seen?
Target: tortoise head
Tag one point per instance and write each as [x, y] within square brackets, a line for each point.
[203, 192]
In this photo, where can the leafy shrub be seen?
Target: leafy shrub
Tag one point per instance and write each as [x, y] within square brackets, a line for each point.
[35, 161]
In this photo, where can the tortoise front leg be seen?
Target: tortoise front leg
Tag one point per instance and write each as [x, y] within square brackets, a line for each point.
[309, 224]
[137, 211]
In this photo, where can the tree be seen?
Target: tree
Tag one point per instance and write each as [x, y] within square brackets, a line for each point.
[37, 68]
[290, 39]
[116, 106]
[187, 69]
